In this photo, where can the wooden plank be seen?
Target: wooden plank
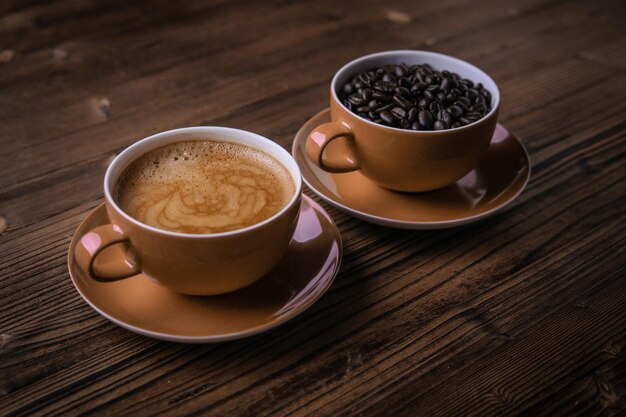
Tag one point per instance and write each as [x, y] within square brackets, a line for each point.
[519, 315]
[377, 267]
[197, 78]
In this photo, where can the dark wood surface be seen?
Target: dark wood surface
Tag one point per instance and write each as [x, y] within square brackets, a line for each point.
[522, 314]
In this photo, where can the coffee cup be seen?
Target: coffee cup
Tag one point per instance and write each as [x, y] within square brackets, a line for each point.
[196, 264]
[400, 159]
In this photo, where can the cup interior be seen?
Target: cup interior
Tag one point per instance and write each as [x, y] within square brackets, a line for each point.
[200, 133]
[436, 60]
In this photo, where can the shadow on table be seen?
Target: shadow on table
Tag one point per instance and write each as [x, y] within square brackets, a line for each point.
[338, 332]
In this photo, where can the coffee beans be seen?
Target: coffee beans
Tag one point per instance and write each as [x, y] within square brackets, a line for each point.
[425, 120]
[415, 97]
[387, 118]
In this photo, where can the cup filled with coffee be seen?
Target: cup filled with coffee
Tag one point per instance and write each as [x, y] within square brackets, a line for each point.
[203, 210]
[411, 121]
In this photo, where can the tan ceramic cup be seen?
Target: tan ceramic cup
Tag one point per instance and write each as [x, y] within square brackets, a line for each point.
[398, 159]
[198, 264]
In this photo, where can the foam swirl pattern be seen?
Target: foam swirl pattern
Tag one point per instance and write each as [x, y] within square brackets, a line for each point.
[204, 187]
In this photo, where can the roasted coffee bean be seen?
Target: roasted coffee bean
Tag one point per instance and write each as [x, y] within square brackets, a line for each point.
[446, 85]
[423, 103]
[377, 95]
[462, 106]
[435, 106]
[399, 71]
[419, 87]
[415, 97]
[485, 93]
[466, 101]
[404, 82]
[464, 121]
[365, 78]
[478, 108]
[387, 118]
[468, 83]
[402, 102]
[425, 119]
[480, 100]
[444, 116]
[450, 98]
[399, 112]
[357, 101]
[455, 111]
[404, 92]
[440, 125]
[384, 86]
[386, 107]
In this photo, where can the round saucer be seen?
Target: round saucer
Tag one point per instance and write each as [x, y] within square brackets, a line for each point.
[487, 189]
[138, 304]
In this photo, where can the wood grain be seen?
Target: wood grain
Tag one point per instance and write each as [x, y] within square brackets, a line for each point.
[520, 315]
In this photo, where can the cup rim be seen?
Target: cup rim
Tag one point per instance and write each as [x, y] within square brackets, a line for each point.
[234, 134]
[495, 95]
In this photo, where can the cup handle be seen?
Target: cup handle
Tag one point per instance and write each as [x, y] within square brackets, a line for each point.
[94, 242]
[320, 137]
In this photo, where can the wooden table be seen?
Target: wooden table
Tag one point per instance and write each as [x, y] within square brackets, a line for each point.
[522, 314]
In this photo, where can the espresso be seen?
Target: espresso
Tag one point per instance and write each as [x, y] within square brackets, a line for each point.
[204, 187]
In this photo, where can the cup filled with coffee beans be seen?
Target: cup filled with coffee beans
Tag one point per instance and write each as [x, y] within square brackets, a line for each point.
[204, 210]
[412, 120]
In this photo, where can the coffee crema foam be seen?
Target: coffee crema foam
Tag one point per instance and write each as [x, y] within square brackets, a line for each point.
[204, 187]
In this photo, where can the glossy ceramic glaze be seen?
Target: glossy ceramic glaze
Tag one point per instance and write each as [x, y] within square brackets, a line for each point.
[399, 159]
[198, 264]
[493, 184]
[138, 304]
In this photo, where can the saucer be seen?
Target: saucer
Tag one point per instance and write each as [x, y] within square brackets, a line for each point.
[487, 189]
[139, 305]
